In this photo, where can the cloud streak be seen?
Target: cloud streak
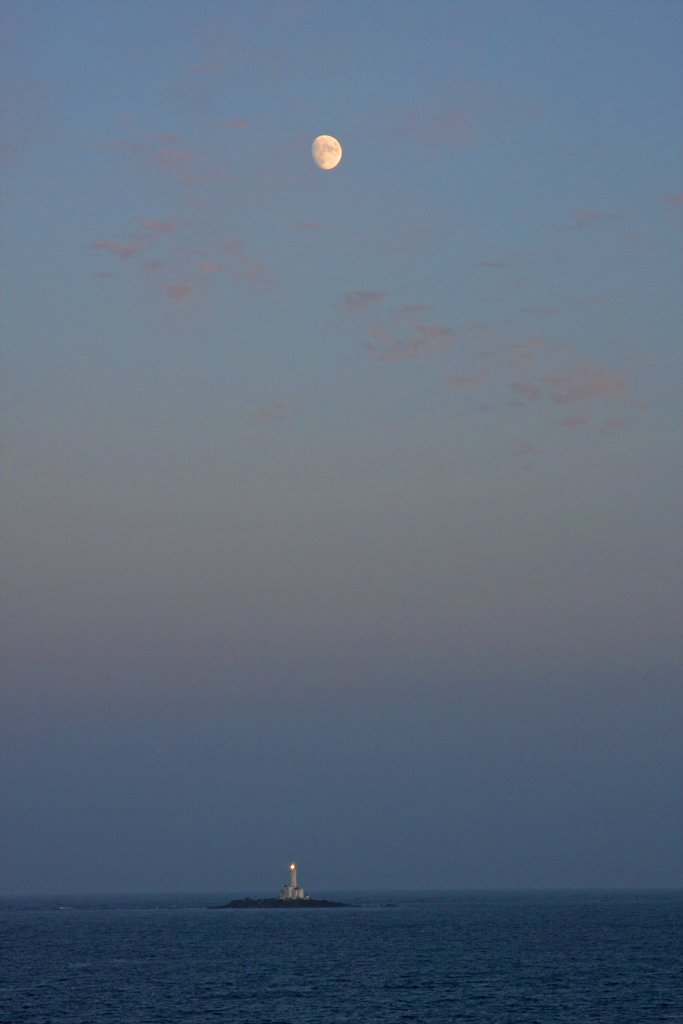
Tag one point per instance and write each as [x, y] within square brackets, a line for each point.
[430, 130]
[584, 384]
[574, 421]
[462, 381]
[124, 250]
[588, 218]
[156, 226]
[354, 301]
[180, 291]
[402, 333]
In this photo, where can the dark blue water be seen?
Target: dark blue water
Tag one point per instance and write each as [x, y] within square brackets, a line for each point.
[541, 958]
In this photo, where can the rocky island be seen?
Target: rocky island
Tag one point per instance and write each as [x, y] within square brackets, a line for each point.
[277, 904]
[291, 898]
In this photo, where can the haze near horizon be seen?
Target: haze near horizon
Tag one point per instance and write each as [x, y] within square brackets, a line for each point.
[342, 507]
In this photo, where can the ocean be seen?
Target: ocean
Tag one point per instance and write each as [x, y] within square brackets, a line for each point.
[499, 957]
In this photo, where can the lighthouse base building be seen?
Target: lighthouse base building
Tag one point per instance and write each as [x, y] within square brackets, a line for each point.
[292, 891]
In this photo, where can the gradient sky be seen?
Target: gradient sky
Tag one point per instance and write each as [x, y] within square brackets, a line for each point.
[342, 509]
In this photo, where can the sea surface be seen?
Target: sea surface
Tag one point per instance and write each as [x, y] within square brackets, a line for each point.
[507, 958]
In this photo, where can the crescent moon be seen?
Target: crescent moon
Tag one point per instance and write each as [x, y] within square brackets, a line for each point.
[326, 152]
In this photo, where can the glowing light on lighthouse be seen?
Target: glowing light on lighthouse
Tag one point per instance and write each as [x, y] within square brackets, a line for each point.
[292, 891]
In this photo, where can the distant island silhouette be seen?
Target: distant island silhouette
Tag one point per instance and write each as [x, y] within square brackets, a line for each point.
[277, 904]
[291, 896]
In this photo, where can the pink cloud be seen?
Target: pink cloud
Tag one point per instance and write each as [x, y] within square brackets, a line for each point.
[353, 301]
[268, 413]
[424, 339]
[496, 264]
[124, 250]
[574, 421]
[522, 353]
[157, 226]
[403, 335]
[232, 122]
[409, 311]
[586, 218]
[524, 448]
[154, 266]
[461, 381]
[674, 200]
[102, 274]
[308, 225]
[611, 427]
[213, 178]
[209, 267]
[435, 332]
[427, 129]
[179, 292]
[115, 144]
[172, 157]
[532, 392]
[583, 384]
[642, 405]
[250, 272]
[246, 271]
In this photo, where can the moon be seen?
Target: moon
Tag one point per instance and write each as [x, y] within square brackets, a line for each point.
[326, 152]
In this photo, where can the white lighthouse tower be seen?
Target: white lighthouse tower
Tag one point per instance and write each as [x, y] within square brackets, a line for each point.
[292, 891]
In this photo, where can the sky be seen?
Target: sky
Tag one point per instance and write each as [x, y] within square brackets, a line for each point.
[341, 508]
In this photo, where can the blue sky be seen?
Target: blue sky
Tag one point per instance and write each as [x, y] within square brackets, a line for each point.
[345, 489]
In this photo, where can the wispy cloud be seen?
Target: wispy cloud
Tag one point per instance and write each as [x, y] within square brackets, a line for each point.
[584, 384]
[215, 177]
[353, 301]
[429, 129]
[180, 291]
[532, 392]
[168, 157]
[408, 312]
[401, 333]
[462, 381]
[115, 144]
[542, 310]
[587, 218]
[124, 250]
[237, 123]
[611, 428]
[154, 267]
[156, 226]
[245, 270]
[524, 448]
[491, 264]
[674, 200]
[268, 412]
[574, 421]
[420, 340]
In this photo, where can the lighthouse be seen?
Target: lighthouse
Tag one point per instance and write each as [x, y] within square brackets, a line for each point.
[292, 891]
